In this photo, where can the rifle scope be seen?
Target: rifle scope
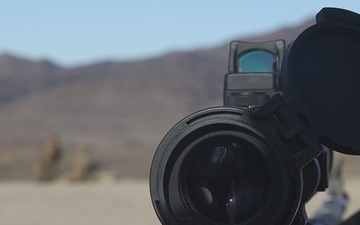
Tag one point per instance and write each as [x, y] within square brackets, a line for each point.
[259, 165]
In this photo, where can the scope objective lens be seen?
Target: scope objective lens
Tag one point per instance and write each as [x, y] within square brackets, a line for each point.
[226, 179]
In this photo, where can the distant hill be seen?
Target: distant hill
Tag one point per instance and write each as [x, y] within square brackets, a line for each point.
[120, 109]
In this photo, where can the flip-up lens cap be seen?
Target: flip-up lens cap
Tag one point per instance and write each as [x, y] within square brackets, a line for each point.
[321, 79]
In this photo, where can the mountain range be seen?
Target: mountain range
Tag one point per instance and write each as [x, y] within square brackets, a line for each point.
[120, 110]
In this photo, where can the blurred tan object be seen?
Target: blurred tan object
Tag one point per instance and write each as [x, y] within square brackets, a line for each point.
[48, 167]
[84, 167]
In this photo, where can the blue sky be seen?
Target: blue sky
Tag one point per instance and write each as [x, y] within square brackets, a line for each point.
[74, 32]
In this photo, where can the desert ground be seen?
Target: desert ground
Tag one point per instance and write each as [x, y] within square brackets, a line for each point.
[106, 203]
[123, 202]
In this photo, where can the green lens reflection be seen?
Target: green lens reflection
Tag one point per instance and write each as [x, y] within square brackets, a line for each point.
[257, 61]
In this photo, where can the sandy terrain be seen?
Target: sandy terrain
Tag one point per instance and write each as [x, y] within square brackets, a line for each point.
[123, 202]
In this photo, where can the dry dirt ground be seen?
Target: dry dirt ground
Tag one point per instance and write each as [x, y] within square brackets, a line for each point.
[122, 202]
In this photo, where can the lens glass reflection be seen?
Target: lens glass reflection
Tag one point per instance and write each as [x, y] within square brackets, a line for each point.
[257, 61]
[226, 179]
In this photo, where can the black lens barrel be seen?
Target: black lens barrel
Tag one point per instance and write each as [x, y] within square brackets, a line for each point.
[216, 167]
